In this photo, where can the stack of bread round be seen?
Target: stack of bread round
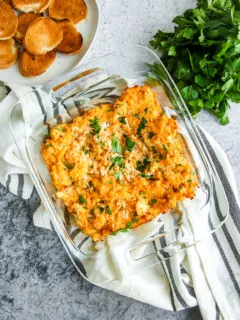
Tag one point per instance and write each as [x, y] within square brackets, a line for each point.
[38, 31]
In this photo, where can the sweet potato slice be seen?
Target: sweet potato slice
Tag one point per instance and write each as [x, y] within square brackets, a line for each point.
[8, 21]
[73, 10]
[8, 53]
[24, 21]
[31, 66]
[30, 5]
[42, 36]
[72, 39]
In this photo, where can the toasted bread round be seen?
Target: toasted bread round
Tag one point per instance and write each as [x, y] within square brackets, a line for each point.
[31, 66]
[24, 21]
[42, 36]
[73, 10]
[72, 39]
[8, 53]
[30, 5]
[8, 21]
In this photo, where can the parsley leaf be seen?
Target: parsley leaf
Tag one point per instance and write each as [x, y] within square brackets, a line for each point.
[141, 126]
[116, 146]
[68, 165]
[153, 201]
[95, 126]
[129, 144]
[128, 226]
[117, 175]
[122, 120]
[165, 147]
[117, 161]
[150, 135]
[102, 143]
[143, 165]
[81, 199]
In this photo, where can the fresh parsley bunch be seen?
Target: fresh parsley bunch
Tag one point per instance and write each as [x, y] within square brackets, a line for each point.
[203, 55]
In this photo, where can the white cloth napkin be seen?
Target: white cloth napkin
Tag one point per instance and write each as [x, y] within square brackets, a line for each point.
[207, 274]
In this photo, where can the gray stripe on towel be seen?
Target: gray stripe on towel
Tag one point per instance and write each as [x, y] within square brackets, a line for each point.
[170, 287]
[171, 277]
[234, 208]
[37, 94]
[8, 182]
[225, 260]
[20, 185]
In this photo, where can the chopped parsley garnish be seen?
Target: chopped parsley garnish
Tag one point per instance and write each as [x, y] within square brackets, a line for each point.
[129, 144]
[109, 182]
[153, 201]
[128, 226]
[150, 135]
[141, 126]
[117, 175]
[136, 115]
[146, 110]
[85, 150]
[162, 157]
[81, 199]
[154, 149]
[102, 143]
[109, 211]
[68, 165]
[110, 110]
[142, 194]
[120, 230]
[61, 129]
[116, 146]
[48, 146]
[142, 165]
[90, 184]
[147, 176]
[117, 161]
[122, 120]
[130, 223]
[95, 126]
[101, 209]
[165, 147]
[189, 180]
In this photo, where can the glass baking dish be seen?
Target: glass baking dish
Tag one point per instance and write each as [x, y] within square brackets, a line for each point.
[103, 80]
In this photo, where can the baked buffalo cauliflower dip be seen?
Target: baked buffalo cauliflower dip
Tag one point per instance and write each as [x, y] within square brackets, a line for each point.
[119, 165]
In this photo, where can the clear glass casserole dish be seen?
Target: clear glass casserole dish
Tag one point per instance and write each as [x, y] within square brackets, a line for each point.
[102, 81]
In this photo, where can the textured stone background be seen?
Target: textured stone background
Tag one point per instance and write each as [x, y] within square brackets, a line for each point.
[37, 279]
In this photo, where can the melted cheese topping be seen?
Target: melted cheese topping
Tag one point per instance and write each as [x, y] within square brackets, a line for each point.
[119, 166]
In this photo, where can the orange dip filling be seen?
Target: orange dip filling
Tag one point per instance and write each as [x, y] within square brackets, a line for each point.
[119, 166]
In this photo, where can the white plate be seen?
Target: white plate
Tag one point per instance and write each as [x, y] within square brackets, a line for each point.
[63, 63]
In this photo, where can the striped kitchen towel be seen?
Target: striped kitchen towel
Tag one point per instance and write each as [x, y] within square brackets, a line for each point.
[206, 274]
